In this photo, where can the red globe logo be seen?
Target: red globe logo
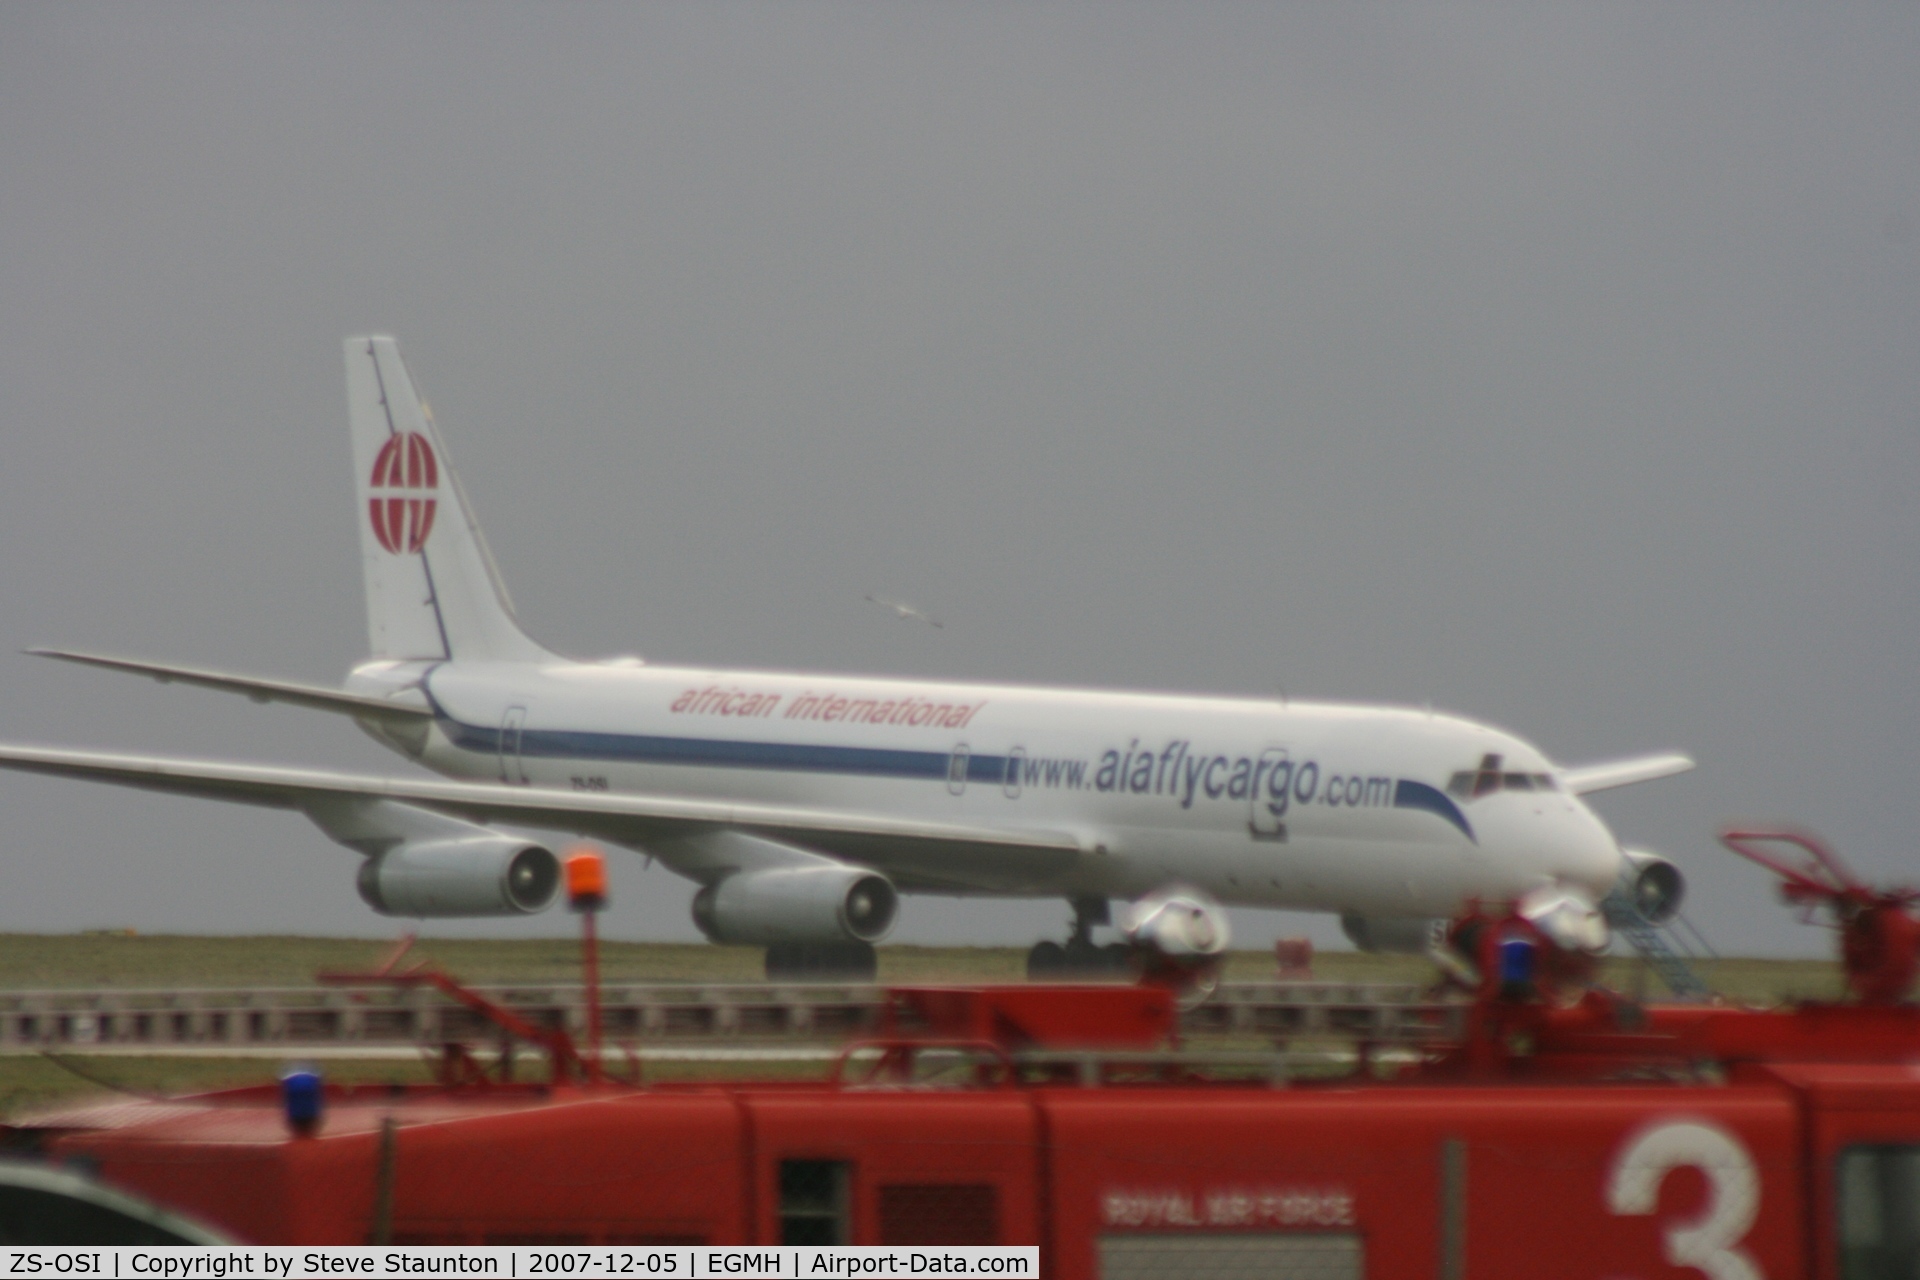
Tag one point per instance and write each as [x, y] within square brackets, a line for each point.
[406, 480]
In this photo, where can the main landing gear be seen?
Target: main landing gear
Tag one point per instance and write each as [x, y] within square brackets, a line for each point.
[821, 962]
[1081, 957]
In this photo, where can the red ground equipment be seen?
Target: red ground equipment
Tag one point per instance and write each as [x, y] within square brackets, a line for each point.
[1879, 936]
[1561, 1134]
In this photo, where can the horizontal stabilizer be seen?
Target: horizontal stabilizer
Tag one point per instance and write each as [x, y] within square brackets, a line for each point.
[1622, 773]
[315, 697]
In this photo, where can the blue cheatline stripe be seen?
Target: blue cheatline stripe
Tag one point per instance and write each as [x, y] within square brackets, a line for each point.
[872, 762]
[1408, 794]
[574, 744]
[987, 769]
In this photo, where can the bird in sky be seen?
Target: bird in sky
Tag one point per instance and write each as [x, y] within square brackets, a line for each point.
[901, 609]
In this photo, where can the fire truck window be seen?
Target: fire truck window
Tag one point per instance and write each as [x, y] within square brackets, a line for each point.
[934, 1214]
[813, 1201]
[1879, 1213]
[1240, 1255]
[33, 1216]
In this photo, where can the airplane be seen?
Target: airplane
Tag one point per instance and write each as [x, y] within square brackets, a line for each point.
[803, 805]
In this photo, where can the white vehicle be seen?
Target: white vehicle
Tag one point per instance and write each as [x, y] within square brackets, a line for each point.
[803, 804]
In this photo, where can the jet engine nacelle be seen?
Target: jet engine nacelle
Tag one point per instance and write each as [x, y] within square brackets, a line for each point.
[797, 904]
[1653, 886]
[478, 875]
[1397, 935]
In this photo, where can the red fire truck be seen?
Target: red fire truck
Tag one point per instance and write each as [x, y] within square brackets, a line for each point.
[1563, 1132]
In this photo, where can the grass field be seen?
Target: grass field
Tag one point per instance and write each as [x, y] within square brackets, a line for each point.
[176, 961]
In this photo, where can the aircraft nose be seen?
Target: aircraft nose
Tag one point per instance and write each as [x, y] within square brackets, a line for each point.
[1585, 852]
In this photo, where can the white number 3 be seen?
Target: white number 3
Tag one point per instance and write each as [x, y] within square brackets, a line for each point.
[1709, 1243]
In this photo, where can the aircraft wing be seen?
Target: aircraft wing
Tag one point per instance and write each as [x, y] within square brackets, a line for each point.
[1582, 779]
[316, 697]
[929, 855]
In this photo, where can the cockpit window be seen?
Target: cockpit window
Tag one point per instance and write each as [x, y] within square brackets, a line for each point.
[1470, 784]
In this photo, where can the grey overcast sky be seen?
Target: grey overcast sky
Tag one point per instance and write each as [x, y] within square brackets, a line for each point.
[1553, 363]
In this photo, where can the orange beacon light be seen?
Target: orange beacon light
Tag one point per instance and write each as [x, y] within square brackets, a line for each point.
[586, 880]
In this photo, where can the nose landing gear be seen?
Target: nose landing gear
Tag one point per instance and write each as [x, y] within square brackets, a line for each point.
[1081, 957]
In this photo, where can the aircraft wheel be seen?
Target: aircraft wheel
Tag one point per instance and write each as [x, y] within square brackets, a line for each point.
[1084, 960]
[1047, 961]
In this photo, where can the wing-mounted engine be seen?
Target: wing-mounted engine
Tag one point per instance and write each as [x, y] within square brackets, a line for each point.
[420, 863]
[1651, 885]
[486, 875]
[761, 892]
[827, 903]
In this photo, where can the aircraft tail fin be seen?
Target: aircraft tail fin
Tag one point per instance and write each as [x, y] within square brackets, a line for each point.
[433, 590]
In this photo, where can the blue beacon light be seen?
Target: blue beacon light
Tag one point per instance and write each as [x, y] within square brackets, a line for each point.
[303, 1098]
[1517, 964]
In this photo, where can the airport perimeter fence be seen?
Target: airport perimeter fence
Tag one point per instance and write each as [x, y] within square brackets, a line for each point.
[210, 1019]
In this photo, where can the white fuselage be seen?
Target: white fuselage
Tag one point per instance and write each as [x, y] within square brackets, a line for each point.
[784, 794]
[1318, 806]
